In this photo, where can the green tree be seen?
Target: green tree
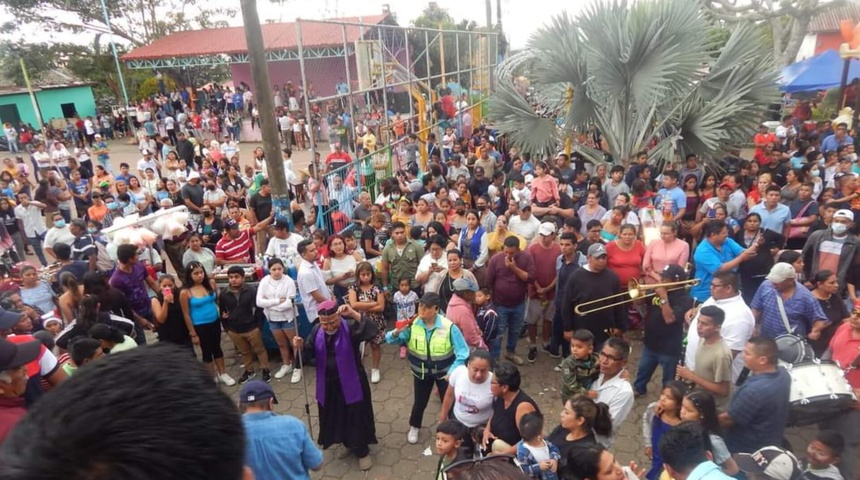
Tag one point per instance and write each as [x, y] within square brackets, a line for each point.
[639, 74]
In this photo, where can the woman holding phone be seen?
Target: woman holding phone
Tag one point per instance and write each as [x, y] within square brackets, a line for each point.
[168, 314]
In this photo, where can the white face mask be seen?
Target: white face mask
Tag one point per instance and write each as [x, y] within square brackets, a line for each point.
[839, 228]
[853, 157]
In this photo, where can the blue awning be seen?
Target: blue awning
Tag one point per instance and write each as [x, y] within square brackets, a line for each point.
[820, 72]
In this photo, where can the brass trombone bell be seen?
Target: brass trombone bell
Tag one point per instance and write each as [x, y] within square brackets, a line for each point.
[635, 291]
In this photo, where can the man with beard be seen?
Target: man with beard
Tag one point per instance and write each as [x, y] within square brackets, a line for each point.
[593, 282]
[342, 391]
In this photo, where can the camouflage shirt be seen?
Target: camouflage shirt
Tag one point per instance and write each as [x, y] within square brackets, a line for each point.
[578, 375]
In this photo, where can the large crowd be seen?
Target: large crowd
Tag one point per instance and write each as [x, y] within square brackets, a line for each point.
[739, 281]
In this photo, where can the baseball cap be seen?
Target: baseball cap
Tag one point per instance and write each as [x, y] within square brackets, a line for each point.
[674, 273]
[231, 224]
[726, 185]
[430, 299]
[463, 284]
[14, 355]
[773, 462]
[546, 228]
[193, 175]
[256, 390]
[9, 318]
[781, 272]
[844, 213]
[596, 250]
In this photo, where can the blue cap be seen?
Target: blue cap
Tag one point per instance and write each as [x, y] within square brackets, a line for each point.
[256, 390]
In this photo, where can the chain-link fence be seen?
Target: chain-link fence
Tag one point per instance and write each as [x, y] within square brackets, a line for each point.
[389, 97]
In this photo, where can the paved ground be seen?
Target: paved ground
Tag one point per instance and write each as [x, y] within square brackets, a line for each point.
[393, 457]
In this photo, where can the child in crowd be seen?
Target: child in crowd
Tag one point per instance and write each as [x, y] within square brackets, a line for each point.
[581, 368]
[449, 438]
[520, 193]
[53, 325]
[822, 455]
[700, 406]
[538, 458]
[659, 417]
[404, 302]
[487, 320]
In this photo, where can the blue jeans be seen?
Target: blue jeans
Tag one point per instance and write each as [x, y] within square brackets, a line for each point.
[510, 319]
[36, 243]
[648, 363]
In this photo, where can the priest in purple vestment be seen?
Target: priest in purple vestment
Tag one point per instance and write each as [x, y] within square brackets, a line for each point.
[342, 390]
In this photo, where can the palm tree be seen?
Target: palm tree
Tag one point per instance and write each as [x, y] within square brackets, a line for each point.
[638, 73]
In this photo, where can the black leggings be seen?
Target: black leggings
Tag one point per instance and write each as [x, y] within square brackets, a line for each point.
[210, 341]
[423, 388]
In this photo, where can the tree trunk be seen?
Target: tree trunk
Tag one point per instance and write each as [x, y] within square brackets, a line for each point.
[799, 27]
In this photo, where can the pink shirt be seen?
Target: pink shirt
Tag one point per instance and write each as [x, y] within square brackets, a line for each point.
[658, 254]
[460, 313]
[545, 189]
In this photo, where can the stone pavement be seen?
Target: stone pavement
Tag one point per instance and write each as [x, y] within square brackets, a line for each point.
[395, 458]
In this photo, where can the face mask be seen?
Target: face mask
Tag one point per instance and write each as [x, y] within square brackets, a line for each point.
[395, 197]
[481, 208]
[60, 223]
[815, 172]
[839, 228]
[113, 205]
[91, 230]
[212, 187]
[853, 157]
[460, 211]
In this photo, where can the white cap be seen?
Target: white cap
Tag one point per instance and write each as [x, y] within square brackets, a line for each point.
[546, 228]
[781, 272]
[193, 175]
[844, 213]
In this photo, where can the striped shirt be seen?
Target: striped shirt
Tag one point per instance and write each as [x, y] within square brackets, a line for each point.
[235, 250]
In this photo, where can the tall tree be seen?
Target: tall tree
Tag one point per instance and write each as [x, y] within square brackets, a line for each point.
[643, 75]
[135, 21]
[787, 20]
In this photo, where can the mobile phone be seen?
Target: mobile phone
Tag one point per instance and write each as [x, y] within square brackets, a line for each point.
[167, 291]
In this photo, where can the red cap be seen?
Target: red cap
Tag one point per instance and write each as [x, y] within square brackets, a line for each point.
[726, 185]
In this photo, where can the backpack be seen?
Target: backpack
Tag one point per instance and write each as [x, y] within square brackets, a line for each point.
[103, 262]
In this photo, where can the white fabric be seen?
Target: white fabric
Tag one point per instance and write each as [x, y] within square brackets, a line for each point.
[269, 295]
[617, 393]
[527, 229]
[736, 330]
[31, 217]
[59, 235]
[281, 247]
[435, 278]
[473, 402]
[541, 453]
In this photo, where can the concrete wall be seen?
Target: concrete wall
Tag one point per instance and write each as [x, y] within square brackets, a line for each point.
[50, 102]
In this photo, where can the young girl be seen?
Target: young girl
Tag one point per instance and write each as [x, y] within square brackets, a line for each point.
[659, 417]
[544, 188]
[366, 298]
[404, 302]
[274, 296]
[699, 406]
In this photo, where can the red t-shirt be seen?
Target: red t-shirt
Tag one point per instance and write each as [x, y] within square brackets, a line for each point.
[626, 264]
[545, 273]
[846, 347]
[341, 157]
[235, 250]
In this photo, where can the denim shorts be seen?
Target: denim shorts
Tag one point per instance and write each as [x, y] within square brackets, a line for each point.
[282, 325]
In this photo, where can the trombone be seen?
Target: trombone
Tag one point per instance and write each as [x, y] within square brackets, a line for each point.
[635, 291]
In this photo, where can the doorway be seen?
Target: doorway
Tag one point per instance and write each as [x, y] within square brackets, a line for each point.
[9, 113]
[69, 110]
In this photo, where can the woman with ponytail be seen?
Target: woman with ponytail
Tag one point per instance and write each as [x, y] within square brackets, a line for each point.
[581, 419]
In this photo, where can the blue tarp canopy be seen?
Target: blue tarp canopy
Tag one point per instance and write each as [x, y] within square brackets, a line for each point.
[820, 72]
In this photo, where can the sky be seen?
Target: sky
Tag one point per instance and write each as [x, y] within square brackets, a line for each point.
[520, 18]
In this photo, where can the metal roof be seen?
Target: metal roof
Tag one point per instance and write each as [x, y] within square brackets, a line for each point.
[828, 21]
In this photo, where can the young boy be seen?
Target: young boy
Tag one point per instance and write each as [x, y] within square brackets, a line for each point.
[713, 357]
[237, 302]
[488, 321]
[538, 458]
[581, 368]
[449, 438]
[520, 193]
[823, 452]
[405, 301]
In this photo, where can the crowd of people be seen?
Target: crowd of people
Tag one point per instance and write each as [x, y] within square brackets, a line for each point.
[453, 261]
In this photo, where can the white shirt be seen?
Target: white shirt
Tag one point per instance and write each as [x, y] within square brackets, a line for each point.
[43, 159]
[527, 229]
[88, 125]
[31, 217]
[143, 164]
[269, 295]
[435, 278]
[736, 330]
[169, 123]
[310, 279]
[59, 235]
[473, 402]
[617, 393]
[280, 248]
[214, 196]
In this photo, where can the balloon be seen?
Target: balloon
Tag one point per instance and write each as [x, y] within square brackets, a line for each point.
[846, 28]
[855, 40]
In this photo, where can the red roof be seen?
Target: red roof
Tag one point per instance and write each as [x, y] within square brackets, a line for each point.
[828, 21]
[276, 36]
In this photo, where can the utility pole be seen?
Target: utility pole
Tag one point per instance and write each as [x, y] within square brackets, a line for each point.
[499, 14]
[489, 4]
[266, 106]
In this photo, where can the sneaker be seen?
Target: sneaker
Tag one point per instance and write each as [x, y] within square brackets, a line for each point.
[532, 356]
[365, 463]
[297, 376]
[374, 375]
[249, 374]
[284, 370]
[403, 352]
[514, 358]
[226, 379]
[546, 349]
[412, 436]
[557, 368]
[267, 376]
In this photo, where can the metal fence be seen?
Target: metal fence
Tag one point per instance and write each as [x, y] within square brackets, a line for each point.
[404, 85]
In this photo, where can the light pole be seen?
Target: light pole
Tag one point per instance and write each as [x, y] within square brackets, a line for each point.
[118, 68]
[32, 95]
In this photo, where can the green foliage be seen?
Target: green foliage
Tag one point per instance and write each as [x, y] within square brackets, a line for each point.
[149, 87]
[640, 73]
[435, 17]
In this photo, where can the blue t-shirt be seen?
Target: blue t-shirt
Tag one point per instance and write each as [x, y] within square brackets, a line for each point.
[203, 310]
[279, 447]
[773, 220]
[678, 197]
[759, 423]
[801, 310]
[708, 260]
